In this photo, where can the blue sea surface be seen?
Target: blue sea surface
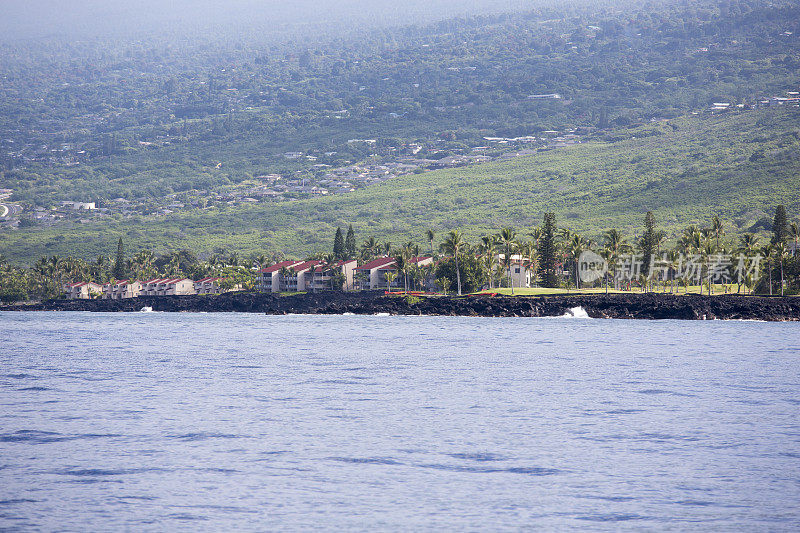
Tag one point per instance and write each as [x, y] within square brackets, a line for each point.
[222, 422]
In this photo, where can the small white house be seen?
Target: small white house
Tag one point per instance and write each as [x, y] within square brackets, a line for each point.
[89, 206]
[517, 272]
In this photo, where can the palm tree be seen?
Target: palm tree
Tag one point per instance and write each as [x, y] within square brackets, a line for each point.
[430, 235]
[608, 254]
[794, 234]
[390, 277]
[673, 259]
[717, 228]
[530, 259]
[444, 283]
[536, 233]
[564, 235]
[769, 250]
[748, 247]
[173, 268]
[691, 243]
[329, 262]
[507, 238]
[781, 250]
[706, 251]
[260, 261]
[401, 262]
[369, 249]
[285, 274]
[615, 244]
[142, 264]
[575, 248]
[660, 238]
[453, 244]
[488, 253]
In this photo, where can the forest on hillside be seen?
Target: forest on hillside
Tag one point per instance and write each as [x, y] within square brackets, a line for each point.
[101, 119]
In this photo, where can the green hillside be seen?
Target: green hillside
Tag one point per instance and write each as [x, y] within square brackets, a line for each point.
[738, 166]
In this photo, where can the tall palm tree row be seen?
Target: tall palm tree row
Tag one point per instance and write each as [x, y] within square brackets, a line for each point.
[695, 258]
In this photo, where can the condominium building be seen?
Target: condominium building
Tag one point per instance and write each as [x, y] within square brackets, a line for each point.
[82, 290]
[373, 275]
[320, 278]
[270, 279]
[121, 289]
[167, 287]
[208, 286]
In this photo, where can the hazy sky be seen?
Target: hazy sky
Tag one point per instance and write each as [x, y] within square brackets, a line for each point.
[90, 18]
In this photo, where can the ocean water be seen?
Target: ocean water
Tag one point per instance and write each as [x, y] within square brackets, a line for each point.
[221, 422]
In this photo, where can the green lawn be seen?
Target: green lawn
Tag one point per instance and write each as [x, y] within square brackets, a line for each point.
[542, 291]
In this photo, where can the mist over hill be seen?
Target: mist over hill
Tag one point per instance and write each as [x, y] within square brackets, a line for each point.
[81, 19]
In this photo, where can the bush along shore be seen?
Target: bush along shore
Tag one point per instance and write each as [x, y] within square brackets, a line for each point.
[628, 306]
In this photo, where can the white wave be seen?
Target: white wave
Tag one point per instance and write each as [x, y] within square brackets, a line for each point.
[576, 312]
[146, 310]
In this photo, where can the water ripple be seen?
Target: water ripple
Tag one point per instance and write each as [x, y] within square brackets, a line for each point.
[366, 460]
[611, 517]
[189, 437]
[535, 471]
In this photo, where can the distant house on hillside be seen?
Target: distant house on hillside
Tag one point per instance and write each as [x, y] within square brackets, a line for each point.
[89, 206]
[552, 96]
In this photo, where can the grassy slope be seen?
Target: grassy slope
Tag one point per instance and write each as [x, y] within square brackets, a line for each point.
[683, 175]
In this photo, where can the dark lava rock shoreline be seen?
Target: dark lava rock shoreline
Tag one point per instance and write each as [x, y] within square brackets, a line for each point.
[630, 306]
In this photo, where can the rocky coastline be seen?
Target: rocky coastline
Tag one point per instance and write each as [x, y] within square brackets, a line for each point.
[624, 306]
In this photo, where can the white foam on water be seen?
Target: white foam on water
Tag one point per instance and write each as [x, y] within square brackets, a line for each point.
[576, 312]
[146, 310]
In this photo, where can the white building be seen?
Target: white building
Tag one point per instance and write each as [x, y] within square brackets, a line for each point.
[321, 276]
[269, 279]
[167, 287]
[518, 272]
[372, 275]
[121, 289]
[79, 205]
[83, 290]
[208, 286]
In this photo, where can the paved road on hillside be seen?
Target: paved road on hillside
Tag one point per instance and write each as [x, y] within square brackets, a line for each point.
[7, 210]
